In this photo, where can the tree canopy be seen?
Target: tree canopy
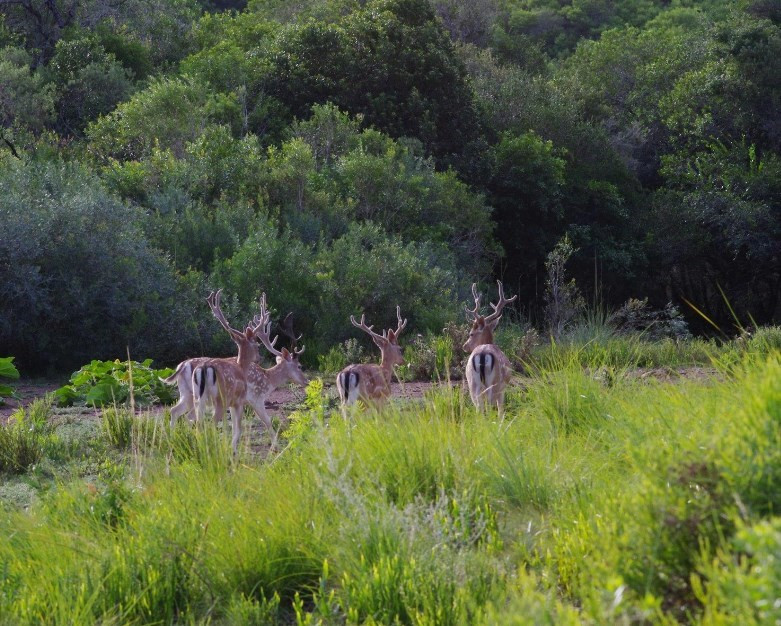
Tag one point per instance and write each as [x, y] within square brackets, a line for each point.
[367, 152]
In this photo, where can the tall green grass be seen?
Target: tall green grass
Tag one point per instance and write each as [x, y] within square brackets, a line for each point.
[595, 500]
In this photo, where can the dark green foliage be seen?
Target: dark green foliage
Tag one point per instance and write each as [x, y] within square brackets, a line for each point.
[390, 61]
[527, 176]
[78, 279]
[90, 82]
[635, 316]
[365, 270]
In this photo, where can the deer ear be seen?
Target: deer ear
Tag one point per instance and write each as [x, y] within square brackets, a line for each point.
[391, 336]
[285, 353]
[379, 341]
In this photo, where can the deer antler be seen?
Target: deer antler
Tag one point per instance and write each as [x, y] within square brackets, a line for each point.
[263, 323]
[367, 329]
[263, 330]
[399, 325]
[214, 305]
[471, 314]
[500, 305]
[287, 329]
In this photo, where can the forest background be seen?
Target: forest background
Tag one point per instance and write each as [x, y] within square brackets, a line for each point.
[346, 156]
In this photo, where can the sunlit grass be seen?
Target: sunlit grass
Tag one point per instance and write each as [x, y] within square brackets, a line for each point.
[599, 498]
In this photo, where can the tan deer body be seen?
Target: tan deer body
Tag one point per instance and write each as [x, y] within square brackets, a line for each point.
[223, 382]
[488, 369]
[260, 382]
[371, 383]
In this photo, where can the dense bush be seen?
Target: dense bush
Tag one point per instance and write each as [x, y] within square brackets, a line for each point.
[77, 277]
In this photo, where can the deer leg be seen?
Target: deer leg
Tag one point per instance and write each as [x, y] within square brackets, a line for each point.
[183, 407]
[200, 408]
[266, 419]
[236, 412]
[499, 395]
[476, 394]
[219, 409]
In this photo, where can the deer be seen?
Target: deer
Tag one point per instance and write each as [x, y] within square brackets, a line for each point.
[371, 383]
[260, 382]
[488, 370]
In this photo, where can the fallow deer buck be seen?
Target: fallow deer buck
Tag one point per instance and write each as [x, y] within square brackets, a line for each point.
[371, 383]
[259, 382]
[487, 370]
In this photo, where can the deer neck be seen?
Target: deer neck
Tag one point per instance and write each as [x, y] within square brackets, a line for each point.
[276, 376]
[246, 357]
[386, 367]
[485, 337]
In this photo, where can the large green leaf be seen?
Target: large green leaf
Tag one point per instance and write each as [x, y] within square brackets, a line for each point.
[106, 392]
[7, 368]
[66, 395]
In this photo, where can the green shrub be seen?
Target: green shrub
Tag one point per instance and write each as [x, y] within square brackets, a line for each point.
[78, 279]
[340, 356]
[436, 357]
[104, 383]
[244, 611]
[7, 370]
[25, 438]
[305, 422]
[741, 585]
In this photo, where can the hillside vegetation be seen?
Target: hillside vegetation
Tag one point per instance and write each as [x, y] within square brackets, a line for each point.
[347, 156]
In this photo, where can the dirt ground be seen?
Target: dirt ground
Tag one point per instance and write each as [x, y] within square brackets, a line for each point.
[282, 400]
[26, 392]
[286, 399]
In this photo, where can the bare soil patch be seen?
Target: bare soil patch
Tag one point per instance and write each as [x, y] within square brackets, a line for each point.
[287, 399]
[26, 392]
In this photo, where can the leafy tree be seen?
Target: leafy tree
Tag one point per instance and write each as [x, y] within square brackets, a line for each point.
[391, 62]
[527, 179]
[26, 103]
[720, 230]
[164, 25]
[169, 114]
[89, 81]
[331, 174]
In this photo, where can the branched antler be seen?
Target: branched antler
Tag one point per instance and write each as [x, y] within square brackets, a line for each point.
[286, 326]
[471, 314]
[263, 323]
[387, 335]
[501, 304]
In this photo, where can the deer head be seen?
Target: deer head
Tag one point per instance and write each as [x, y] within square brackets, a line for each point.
[285, 358]
[483, 327]
[245, 340]
[388, 342]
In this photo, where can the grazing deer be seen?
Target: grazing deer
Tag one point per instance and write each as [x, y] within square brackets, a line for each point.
[487, 369]
[371, 383]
